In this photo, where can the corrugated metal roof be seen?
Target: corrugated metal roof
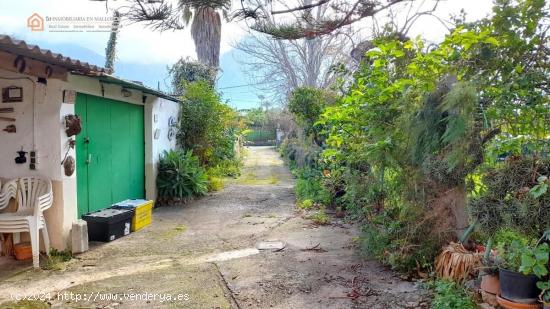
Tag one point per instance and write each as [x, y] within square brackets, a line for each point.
[109, 79]
[20, 47]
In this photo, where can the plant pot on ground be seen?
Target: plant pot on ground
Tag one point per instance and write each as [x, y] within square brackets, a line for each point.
[507, 304]
[523, 265]
[518, 287]
[490, 283]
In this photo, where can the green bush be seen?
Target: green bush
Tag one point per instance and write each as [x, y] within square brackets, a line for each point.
[320, 217]
[187, 70]
[309, 187]
[403, 237]
[525, 257]
[301, 154]
[450, 295]
[207, 126]
[180, 176]
[507, 236]
[305, 204]
[226, 168]
[512, 198]
[307, 104]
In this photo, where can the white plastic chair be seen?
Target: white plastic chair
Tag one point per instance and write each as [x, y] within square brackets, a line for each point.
[7, 192]
[34, 196]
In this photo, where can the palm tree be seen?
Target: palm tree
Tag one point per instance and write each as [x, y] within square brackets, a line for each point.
[206, 28]
[204, 16]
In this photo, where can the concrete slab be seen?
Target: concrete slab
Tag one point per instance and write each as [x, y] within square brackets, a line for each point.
[270, 245]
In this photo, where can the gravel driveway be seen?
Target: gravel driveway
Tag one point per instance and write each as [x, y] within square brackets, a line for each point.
[203, 255]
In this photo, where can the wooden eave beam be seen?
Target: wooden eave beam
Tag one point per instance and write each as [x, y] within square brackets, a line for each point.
[30, 66]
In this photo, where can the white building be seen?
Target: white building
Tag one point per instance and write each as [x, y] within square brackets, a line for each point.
[125, 127]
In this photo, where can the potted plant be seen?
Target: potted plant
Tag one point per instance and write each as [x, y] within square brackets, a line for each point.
[522, 266]
[489, 276]
[545, 295]
[490, 282]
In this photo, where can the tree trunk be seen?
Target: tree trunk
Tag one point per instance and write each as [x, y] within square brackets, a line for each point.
[206, 33]
[454, 200]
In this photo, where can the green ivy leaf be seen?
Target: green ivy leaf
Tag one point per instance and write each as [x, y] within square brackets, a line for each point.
[527, 261]
[540, 270]
[539, 190]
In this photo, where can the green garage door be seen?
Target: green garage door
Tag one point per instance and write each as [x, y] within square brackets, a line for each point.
[109, 152]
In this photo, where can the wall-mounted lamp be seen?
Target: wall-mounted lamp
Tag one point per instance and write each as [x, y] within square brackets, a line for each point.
[126, 93]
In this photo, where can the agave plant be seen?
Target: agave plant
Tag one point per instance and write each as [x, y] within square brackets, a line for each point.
[180, 176]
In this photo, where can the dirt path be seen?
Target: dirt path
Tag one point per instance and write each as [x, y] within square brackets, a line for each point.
[203, 255]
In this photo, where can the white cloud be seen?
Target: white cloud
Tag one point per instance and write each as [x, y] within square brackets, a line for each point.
[136, 43]
[431, 29]
[142, 45]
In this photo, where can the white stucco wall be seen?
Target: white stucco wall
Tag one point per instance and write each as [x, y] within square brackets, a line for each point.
[51, 142]
[157, 114]
[46, 128]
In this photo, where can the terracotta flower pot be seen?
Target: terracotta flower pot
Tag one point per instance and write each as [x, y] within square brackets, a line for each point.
[508, 304]
[490, 284]
[23, 251]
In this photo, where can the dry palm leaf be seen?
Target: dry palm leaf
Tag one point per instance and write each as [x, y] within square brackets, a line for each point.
[456, 263]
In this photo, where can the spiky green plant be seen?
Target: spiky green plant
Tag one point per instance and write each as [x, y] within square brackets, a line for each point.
[180, 176]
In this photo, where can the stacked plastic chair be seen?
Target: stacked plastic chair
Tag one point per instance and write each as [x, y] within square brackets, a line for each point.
[33, 196]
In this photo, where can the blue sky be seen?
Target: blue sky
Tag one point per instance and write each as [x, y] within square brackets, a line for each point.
[232, 81]
[144, 55]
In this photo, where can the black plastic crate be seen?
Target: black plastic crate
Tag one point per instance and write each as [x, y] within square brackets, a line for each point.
[108, 224]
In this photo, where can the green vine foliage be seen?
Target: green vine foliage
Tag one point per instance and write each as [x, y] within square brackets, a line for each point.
[307, 104]
[449, 294]
[418, 121]
[186, 71]
[207, 126]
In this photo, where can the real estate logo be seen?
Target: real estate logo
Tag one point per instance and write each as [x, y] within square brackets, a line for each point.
[35, 22]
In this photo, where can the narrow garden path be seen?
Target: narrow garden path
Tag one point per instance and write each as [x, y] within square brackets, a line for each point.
[206, 250]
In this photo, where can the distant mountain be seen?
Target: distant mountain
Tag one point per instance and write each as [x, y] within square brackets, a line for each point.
[149, 74]
[156, 75]
[232, 82]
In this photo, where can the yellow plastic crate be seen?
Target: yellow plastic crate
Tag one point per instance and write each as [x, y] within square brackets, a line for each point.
[143, 212]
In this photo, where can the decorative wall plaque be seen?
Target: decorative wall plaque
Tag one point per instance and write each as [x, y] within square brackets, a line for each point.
[12, 94]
